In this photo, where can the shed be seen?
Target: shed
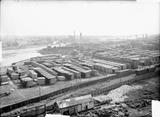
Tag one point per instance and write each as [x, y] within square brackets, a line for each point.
[75, 105]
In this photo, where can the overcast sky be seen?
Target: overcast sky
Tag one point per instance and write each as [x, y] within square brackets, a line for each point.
[90, 18]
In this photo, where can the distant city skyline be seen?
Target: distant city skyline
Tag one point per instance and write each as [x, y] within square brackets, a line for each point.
[89, 18]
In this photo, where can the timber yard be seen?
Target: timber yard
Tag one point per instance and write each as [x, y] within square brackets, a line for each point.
[112, 79]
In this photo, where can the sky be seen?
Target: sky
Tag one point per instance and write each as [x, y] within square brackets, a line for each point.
[90, 18]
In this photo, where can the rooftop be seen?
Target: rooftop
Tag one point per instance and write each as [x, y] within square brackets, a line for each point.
[74, 101]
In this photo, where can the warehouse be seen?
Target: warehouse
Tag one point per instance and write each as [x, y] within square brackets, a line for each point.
[27, 82]
[87, 65]
[9, 71]
[84, 73]
[39, 71]
[32, 74]
[68, 75]
[46, 57]
[105, 68]
[41, 80]
[21, 72]
[74, 105]
[120, 66]
[144, 61]
[50, 79]
[3, 79]
[48, 64]
[115, 64]
[155, 58]
[35, 64]
[27, 63]
[14, 76]
[86, 68]
[121, 59]
[61, 78]
[76, 73]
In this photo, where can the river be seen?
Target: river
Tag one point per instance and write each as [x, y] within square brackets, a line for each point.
[15, 55]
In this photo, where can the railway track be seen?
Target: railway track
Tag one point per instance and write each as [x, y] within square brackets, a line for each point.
[49, 101]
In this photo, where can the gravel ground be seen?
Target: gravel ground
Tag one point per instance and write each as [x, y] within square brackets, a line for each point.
[131, 100]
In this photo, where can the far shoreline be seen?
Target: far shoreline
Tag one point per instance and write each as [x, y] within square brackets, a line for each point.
[24, 47]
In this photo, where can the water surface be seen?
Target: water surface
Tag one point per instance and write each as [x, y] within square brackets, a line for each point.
[15, 55]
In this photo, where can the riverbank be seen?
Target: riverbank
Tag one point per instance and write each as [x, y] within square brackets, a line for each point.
[15, 55]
